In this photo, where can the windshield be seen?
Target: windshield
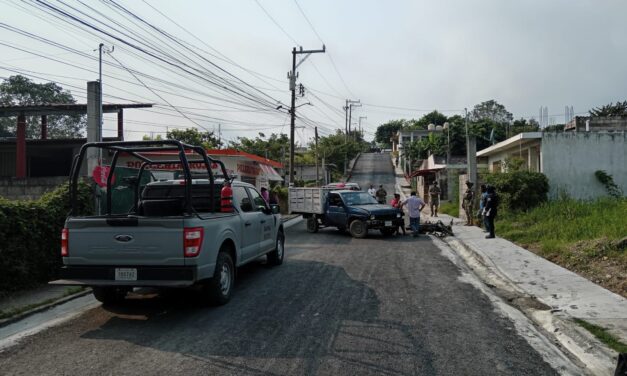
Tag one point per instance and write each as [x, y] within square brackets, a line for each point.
[358, 198]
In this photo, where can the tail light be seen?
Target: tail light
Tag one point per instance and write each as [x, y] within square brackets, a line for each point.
[192, 241]
[64, 242]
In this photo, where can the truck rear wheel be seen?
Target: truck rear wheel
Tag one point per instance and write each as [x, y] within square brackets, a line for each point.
[358, 229]
[219, 288]
[108, 294]
[312, 224]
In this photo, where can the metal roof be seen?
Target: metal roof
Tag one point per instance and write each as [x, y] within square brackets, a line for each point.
[63, 108]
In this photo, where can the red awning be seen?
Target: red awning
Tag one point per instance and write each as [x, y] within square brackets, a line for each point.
[424, 172]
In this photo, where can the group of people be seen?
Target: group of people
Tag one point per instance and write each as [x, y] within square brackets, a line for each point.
[414, 206]
[271, 198]
[488, 207]
[380, 194]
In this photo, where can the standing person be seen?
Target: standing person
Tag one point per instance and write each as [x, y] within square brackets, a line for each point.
[414, 207]
[265, 194]
[434, 199]
[490, 210]
[381, 195]
[371, 191]
[396, 203]
[469, 203]
[274, 198]
[480, 216]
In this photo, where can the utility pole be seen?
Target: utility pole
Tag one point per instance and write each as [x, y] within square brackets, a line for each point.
[350, 113]
[292, 76]
[347, 129]
[471, 153]
[317, 156]
[361, 117]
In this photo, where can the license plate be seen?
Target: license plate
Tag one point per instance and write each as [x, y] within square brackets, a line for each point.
[125, 274]
[388, 223]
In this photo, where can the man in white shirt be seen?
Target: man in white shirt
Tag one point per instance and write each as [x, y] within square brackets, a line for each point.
[371, 191]
[414, 206]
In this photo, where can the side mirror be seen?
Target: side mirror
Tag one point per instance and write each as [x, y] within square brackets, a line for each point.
[276, 209]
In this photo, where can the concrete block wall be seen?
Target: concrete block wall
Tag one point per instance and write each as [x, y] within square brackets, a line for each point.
[29, 188]
[570, 159]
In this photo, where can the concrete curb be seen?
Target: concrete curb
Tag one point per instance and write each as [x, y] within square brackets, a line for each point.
[292, 222]
[352, 163]
[580, 344]
[45, 307]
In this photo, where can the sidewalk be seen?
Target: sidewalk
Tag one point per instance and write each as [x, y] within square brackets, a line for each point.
[568, 295]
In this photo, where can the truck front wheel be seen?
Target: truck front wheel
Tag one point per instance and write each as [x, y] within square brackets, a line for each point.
[276, 257]
[358, 228]
[312, 224]
[219, 288]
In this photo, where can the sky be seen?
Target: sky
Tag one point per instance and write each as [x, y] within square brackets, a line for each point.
[401, 59]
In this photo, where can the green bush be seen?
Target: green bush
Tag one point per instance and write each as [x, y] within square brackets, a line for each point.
[520, 190]
[30, 237]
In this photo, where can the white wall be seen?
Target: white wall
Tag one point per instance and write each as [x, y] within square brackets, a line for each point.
[570, 159]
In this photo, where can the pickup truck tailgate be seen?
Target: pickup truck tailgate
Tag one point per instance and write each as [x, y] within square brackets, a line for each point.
[132, 241]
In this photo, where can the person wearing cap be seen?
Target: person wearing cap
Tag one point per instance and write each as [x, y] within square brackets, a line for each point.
[469, 202]
[434, 198]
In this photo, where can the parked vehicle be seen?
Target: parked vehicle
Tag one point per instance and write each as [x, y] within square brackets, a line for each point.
[350, 186]
[356, 211]
[180, 233]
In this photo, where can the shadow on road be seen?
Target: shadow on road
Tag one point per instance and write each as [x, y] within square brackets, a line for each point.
[296, 310]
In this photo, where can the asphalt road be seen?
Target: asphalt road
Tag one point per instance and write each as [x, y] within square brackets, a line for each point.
[375, 169]
[337, 306]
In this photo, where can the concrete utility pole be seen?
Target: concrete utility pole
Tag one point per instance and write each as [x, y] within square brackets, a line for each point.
[347, 109]
[317, 156]
[350, 115]
[361, 117]
[471, 154]
[292, 76]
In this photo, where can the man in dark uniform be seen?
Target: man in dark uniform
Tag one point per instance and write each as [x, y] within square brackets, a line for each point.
[490, 210]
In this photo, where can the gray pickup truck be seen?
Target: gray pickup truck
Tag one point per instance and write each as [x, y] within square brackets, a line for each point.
[179, 234]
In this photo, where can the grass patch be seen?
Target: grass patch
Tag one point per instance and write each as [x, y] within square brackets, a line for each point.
[71, 290]
[451, 208]
[604, 336]
[578, 235]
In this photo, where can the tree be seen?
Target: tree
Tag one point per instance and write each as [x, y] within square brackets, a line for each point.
[385, 131]
[19, 90]
[434, 117]
[522, 125]
[193, 136]
[149, 138]
[491, 110]
[618, 109]
[275, 147]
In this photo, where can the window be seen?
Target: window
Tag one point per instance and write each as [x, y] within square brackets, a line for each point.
[258, 201]
[241, 199]
[335, 200]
